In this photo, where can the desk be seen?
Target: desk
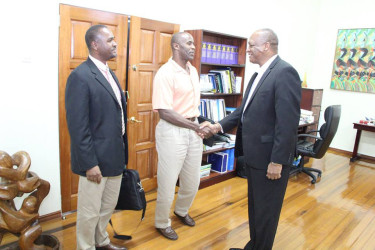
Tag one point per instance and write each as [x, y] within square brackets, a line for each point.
[359, 128]
[302, 128]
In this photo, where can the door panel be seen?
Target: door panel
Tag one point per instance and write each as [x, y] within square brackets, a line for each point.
[150, 48]
[74, 22]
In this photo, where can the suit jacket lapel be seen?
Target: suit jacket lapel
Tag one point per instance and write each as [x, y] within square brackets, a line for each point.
[248, 89]
[123, 99]
[264, 76]
[101, 79]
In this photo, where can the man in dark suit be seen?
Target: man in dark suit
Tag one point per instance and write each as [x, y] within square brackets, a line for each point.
[267, 123]
[96, 116]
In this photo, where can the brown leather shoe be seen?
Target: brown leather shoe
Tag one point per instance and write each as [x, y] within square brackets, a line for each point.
[187, 220]
[168, 233]
[111, 246]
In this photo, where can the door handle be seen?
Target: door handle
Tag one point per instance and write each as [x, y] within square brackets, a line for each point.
[133, 120]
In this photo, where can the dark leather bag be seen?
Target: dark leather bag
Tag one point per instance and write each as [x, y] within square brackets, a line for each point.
[131, 197]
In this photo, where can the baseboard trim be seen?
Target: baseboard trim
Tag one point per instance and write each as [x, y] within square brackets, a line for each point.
[50, 216]
[349, 154]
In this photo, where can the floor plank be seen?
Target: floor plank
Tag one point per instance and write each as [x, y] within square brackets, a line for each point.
[338, 212]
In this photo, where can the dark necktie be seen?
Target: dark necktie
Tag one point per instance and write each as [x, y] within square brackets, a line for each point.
[249, 85]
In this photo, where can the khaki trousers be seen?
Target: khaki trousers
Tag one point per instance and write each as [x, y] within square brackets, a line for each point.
[96, 203]
[180, 156]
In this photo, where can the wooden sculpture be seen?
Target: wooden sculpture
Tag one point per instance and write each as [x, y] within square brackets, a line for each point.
[15, 180]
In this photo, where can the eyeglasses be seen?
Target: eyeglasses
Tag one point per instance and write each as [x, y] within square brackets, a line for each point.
[253, 45]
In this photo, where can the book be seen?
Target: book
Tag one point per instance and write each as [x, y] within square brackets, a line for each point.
[238, 84]
[229, 110]
[214, 53]
[205, 170]
[223, 57]
[235, 59]
[209, 52]
[204, 52]
[219, 51]
[221, 75]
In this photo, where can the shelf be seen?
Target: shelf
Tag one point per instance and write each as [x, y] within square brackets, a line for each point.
[215, 177]
[224, 65]
[220, 94]
[219, 34]
[215, 150]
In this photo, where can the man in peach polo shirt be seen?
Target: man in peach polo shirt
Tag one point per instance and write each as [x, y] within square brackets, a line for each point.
[176, 96]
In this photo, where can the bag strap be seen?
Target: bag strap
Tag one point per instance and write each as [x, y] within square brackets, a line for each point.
[119, 236]
[123, 236]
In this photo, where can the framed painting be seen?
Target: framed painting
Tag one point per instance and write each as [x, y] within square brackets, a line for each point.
[354, 63]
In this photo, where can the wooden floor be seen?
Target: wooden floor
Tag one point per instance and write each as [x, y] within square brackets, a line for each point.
[336, 213]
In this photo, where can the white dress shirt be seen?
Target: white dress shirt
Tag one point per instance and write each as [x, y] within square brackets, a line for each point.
[107, 74]
[260, 71]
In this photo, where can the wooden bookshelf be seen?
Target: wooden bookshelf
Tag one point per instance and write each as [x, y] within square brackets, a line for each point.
[215, 150]
[311, 99]
[231, 100]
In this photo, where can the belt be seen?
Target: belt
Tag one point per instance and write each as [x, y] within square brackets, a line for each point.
[191, 119]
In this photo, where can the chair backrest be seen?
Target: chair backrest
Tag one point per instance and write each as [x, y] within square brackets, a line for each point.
[327, 130]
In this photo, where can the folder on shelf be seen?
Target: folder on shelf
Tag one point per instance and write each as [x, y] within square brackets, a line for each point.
[230, 153]
[219, 162]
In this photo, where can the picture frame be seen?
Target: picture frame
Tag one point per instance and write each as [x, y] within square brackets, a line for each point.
[354, 61]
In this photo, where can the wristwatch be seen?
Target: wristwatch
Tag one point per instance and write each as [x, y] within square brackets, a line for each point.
[277, 164]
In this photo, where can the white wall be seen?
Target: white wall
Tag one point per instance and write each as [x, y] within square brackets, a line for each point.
[29, 86]
[334, 15]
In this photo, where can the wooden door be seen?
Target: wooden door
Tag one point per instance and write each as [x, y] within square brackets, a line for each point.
[74, 23]
[149, 49]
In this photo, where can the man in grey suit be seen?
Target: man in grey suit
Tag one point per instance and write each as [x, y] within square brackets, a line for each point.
[267, 123]
[96, 116]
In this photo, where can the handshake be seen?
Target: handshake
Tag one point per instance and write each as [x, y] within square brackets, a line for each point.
[207, 129]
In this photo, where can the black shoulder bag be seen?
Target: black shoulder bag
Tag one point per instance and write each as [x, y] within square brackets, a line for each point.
[131, 197]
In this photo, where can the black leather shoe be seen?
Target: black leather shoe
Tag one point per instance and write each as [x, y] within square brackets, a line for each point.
[111, 246]
[168, 233]
[187, 220]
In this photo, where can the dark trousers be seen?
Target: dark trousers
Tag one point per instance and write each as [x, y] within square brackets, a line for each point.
[265, 199]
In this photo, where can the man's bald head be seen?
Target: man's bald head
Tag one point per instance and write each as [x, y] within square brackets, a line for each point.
[268, 35]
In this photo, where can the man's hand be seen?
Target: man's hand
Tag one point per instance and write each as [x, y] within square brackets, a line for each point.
[204, 132]
[206, 129]
[274, 171]
[214, 128]
[94, 174]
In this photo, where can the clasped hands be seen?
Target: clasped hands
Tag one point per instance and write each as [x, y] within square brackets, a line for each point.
[207, 129]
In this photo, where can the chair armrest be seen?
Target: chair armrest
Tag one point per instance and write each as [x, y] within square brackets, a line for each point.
[310, 136]
[312, 131]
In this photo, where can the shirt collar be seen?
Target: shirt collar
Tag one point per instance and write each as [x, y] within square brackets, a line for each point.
[177, 67]
[266, 65]
[99, 64]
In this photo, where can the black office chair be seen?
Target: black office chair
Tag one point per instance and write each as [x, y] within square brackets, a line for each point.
[319, 147]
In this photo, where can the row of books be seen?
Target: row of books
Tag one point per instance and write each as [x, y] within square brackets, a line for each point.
[213, 109]
[205, 170]
[220, 81]
[221, 162]
[219, 53]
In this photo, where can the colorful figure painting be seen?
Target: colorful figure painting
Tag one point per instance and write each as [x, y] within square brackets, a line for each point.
[354, 64]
